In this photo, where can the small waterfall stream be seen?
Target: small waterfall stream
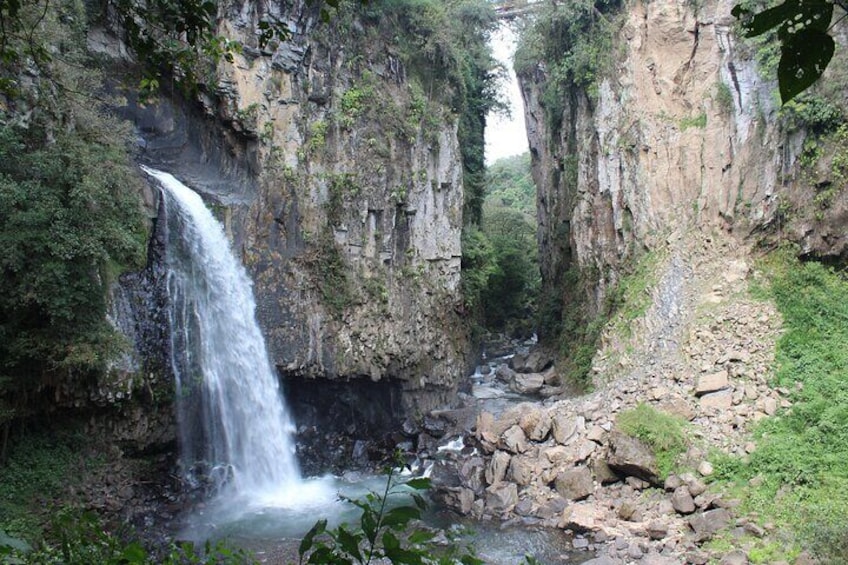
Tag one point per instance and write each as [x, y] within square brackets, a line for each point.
[231, 412]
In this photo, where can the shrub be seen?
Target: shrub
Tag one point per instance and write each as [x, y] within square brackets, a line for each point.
[663, 433]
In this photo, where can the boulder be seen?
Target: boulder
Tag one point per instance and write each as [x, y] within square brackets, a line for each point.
[522, 470]
[472, 474]
[575, 483]
[501, 497]
[706, 524]
[711, 383]
[565, 425]
[735, 557]
[682, 500]
[630, 457]
[581, 517]
[535, 422]
[526, 383]
[514, 440]
[603, 474]
[657, 530]
[504, 374]
[485, 430]
[721, 400]
[535, 361]
[496, 471]
[551, 377]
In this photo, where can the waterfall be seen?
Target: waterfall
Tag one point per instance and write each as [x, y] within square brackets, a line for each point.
[232, 418]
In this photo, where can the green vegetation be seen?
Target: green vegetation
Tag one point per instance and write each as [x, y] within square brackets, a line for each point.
[82, 539]
[386, 531]
[478, 265]
[70, 222]
[509, 184]
[41, 468]
[799, 464]
[330, 271]
[578, 325]
[663, 433]
[508, 298]
[724, 98]
[630, 298]
[575, 42]
[443, 47]
[802, 31]
[699, 121]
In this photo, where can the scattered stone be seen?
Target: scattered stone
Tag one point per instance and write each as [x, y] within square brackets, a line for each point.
[657, 530]
[575, 484]
[526, 383]
[634, 551]
[581, 517]
[564, 426]
[705, 468]
[770, 406]
[514, 440]
[629, 456]
[735, 557]
[501, 497]
[682, 500]
[721, 400]
[706, 524]
[580, 543]
[711, 383]
[496, 471]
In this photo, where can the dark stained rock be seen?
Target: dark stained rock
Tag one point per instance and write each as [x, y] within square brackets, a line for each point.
[706, 524]
[630, 457]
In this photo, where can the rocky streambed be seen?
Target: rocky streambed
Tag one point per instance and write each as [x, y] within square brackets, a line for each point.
[535, 455]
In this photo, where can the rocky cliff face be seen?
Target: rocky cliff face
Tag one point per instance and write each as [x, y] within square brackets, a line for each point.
[682, 134]
[337, 171]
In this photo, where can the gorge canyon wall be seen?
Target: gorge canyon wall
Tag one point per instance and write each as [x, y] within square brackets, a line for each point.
[681, 133]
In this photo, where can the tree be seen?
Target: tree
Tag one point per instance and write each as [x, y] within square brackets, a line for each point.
[806, 47]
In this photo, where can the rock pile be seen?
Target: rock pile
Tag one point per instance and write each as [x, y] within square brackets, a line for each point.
[563, 462]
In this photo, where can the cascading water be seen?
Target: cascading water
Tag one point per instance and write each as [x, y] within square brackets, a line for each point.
[231, 413]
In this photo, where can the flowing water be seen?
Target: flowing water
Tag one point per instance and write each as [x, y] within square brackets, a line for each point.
[235, 429]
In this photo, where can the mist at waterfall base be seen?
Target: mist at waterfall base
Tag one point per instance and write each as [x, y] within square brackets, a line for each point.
[236, 435]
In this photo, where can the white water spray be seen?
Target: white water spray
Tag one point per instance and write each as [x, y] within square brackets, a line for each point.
[231, 412]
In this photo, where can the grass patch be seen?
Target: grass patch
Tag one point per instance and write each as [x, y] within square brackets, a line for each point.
[802, 478]
[662, 432]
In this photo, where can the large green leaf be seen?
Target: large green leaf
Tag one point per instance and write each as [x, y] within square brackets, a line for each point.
[803, 58]
[306, 543]
[790, 17]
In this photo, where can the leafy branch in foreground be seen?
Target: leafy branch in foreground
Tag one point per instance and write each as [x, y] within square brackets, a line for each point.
[386, 531]
[802, 28]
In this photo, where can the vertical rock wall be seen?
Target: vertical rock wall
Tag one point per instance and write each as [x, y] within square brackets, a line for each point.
[338, 173]
[683, 134]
